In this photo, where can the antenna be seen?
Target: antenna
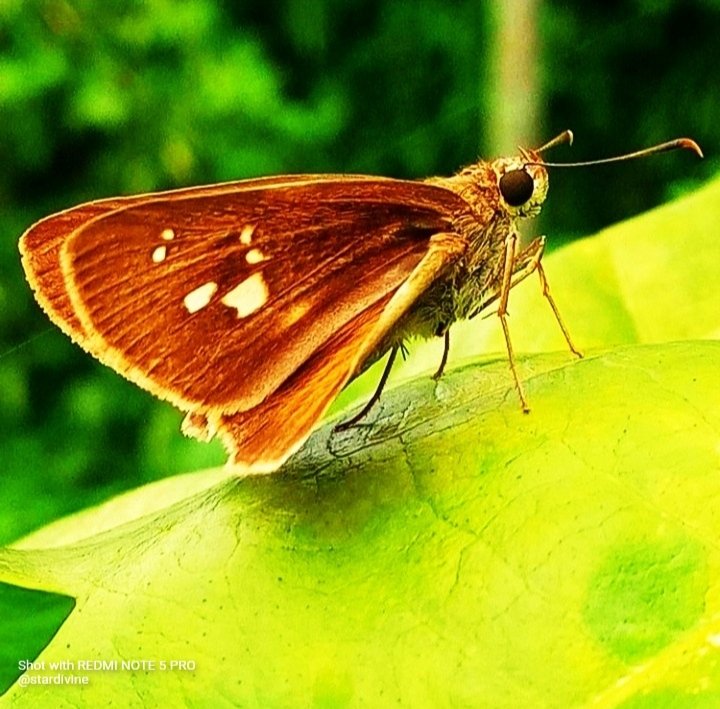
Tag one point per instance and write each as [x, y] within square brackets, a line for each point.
[567, 137]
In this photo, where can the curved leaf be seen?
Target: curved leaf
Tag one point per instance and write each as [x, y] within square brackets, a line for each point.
[453, 552]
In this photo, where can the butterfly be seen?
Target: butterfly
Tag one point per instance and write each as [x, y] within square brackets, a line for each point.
[249, 305]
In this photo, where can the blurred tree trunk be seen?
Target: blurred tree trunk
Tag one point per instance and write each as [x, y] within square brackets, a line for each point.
[513, 84]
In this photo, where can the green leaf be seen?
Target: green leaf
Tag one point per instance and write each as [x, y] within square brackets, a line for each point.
[455, 552]
[29, 619]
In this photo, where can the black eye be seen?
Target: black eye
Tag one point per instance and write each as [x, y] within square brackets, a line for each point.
[516, 187]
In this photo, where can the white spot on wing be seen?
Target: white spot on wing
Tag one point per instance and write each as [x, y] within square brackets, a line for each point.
[197, 299]
[246, 234]
[248, 296]
[255, 256]
[167, 234]
[158, 256]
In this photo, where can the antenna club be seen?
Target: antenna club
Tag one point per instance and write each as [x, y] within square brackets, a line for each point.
[689, 144]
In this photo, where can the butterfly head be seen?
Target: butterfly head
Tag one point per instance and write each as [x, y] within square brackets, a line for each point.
[522, 187]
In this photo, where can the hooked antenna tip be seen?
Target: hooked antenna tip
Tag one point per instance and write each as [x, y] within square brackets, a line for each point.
[689, 144]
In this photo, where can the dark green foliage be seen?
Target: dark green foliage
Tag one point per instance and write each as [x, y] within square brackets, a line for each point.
[99, 99]
[29, 620]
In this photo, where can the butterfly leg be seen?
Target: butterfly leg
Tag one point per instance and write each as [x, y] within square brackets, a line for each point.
[516, 269]
[529, 260]
[507, 283]
[444, 359]
[375, 397]
[524, 264]
[548, 296]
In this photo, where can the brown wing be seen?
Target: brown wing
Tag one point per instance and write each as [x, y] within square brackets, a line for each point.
[276, 266]
[41, 244]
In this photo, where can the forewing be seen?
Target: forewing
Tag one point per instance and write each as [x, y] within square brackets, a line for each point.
[41, 244]
[213, 297]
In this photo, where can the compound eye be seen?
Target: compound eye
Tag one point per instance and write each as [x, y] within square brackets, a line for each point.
[516, 187]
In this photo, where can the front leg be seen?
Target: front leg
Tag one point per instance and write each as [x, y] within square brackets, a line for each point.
[517, 267]
[546, 292]
[529, 260]
[507, 282]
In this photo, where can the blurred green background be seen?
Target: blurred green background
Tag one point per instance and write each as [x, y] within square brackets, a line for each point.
[100, 99]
